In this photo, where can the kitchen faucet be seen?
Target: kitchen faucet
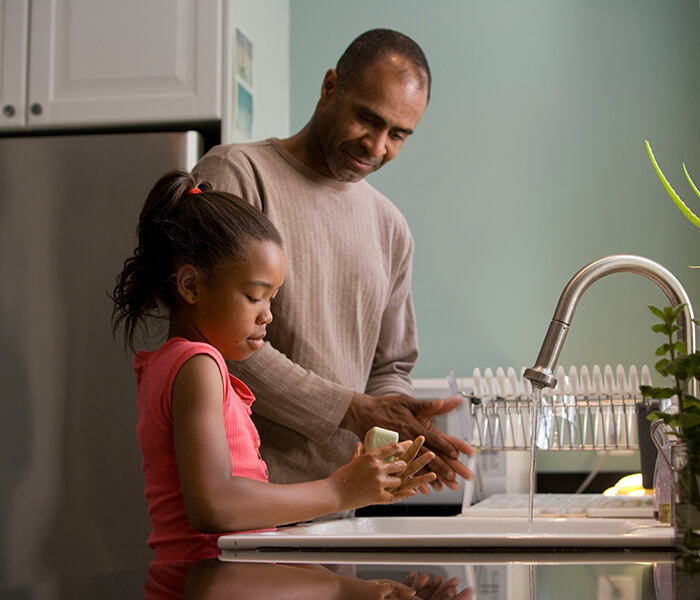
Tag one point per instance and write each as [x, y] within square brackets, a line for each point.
[542, 374]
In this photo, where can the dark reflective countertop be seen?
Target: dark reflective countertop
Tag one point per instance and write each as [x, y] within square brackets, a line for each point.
[573, 575]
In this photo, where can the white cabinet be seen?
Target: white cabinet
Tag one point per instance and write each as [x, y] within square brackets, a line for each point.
[92, 63]
[14, 21]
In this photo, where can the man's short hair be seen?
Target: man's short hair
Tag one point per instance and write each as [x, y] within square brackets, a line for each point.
[375, 44]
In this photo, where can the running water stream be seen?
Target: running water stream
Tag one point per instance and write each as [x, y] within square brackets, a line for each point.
[534, 410]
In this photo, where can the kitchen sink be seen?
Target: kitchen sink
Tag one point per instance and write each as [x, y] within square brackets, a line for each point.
[458, 532]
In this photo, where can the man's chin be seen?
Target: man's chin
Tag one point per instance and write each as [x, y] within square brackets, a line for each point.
[351, 175]
[351, 170]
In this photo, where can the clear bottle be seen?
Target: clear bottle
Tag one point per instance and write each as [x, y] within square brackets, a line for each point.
[663, 487]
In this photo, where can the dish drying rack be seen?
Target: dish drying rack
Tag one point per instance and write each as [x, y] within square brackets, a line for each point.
[593, 410]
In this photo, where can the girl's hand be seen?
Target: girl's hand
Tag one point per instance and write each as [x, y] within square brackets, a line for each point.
[372, 589]
[392, 590]
[411, 418]
[415, 462]
[369, 479]
[428, 587]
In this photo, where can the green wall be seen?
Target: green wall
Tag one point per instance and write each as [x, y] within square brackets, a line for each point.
[530, 163]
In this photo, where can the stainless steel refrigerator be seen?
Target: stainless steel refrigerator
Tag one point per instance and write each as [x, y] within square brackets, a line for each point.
[71, 490]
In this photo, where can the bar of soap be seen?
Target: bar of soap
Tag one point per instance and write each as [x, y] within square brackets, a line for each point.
[378, 436]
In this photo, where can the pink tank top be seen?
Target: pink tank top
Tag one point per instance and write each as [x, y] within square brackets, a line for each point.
[172, 536]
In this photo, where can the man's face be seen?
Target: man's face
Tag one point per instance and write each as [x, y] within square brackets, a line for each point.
[362, 128]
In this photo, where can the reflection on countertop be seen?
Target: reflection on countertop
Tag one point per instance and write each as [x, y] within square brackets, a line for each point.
[211, 580]
[453, 576]
[482, 575]
[437, 576]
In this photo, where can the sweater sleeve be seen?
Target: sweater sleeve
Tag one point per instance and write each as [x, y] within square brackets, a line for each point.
[292, 396]
[285, 392]
[397, 346]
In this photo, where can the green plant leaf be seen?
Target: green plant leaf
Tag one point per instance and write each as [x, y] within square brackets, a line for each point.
[671, 312]
[657, 311]
[661, 366]
[687, 420]
[678, 347]
[665, 328]
[657, 393]
[694, 364]
[691, 403]
[661, 350]
[660, 328]
[667, 418]
[689, 214]
[678, 368]
[682, 368]
[690, 181]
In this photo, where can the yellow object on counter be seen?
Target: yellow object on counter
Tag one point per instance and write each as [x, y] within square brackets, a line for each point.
[630, 485]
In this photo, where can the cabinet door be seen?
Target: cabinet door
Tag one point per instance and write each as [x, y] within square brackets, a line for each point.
[14, 23]
[107, 62]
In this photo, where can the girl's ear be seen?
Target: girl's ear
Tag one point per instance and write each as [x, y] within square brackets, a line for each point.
[187, 280]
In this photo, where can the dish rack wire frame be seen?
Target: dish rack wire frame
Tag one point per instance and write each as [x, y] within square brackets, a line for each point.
[606, 420]
[601, 422]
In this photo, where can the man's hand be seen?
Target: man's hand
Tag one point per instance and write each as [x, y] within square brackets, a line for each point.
[411, 418]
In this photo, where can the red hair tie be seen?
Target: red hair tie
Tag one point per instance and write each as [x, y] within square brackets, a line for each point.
[194, 190]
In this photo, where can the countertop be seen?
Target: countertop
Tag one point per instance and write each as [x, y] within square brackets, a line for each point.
[573, 575]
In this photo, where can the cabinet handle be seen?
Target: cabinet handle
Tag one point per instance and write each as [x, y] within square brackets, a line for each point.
[8, 110]
[36, 109]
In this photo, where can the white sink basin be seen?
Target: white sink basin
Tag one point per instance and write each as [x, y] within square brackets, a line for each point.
[458, 532]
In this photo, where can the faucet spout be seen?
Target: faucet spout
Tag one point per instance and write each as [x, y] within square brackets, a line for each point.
[542, 374]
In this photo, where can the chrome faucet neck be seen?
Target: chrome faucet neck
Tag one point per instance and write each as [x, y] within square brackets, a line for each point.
[542, 374]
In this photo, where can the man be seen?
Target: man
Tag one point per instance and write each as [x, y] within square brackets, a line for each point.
[342, 343]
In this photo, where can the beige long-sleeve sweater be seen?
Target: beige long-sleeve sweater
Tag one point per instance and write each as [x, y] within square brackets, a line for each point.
[343, 320]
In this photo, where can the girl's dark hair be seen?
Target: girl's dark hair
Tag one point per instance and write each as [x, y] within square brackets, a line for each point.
[178, 227]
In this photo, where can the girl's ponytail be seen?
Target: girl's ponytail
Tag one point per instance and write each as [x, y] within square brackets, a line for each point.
[142, 286]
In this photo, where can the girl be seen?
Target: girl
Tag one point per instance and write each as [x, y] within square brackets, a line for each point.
[212, 264]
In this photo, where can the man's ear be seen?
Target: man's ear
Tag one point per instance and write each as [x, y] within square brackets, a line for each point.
[329, 85]
[187, 280]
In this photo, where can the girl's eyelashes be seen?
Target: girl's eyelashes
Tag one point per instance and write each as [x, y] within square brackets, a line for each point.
[254, 299]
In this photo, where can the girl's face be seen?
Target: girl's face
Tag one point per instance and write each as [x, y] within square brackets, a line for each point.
[232, 312]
